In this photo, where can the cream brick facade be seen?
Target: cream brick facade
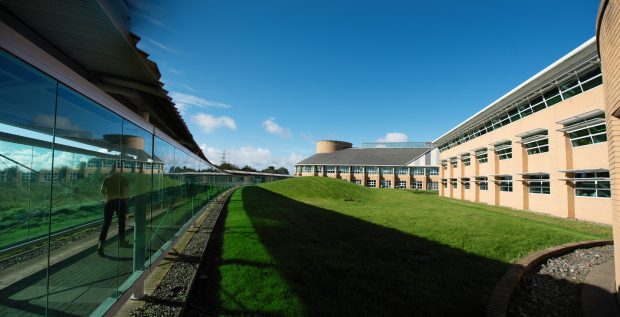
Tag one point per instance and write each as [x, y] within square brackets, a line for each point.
[561, 162]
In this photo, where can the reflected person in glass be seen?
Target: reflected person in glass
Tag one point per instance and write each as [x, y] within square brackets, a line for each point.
[114, 189]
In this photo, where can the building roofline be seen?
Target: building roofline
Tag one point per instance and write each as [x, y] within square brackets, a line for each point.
[577, 55]
[419, 156]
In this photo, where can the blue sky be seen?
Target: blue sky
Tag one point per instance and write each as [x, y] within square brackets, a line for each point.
[263, 80]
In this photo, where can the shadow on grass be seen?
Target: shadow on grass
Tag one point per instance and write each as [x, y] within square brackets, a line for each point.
[338, 265]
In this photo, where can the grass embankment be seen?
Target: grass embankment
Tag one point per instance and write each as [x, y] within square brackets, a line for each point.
[317, 246]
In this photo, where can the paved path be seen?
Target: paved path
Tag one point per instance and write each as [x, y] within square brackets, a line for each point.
[81, 281]
[598, 294]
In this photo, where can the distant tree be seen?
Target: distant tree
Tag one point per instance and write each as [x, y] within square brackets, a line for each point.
[228, 166]
[248, 168]
[282, 170]
[270, 169]
[273, 170]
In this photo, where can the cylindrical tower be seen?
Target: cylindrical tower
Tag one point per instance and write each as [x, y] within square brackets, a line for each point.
[608, 36]
[328, 146]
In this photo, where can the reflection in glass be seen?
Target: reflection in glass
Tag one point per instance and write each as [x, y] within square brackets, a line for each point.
[66, 162]
[27, 105]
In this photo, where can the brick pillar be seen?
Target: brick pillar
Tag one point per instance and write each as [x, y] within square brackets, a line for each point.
[608, 33]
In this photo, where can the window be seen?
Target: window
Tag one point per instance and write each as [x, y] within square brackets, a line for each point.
[504, 150]
[454, 184]
[505, 183]
[594, 184]
[319, 169]
[588, 131]
[47, 176]
[432, 186]
[416, 185]
[483, 183]
[358, 169]
[73, 176]
[387, 170]
[466, 185]
[417, 171]
[402, 184]
[93, 163]
[570, 86]
[358, 182]
[482, 156]
[432, 171]
[372, 170]
[403, 171]
[386, 184]
[466, 160]
[371, 183]
[504, 154]
[454, 162]
[109, 163]
[539, 184]
[343, 169]
[26, 177]
[307, 169]
[330, 169]
[537, 146]
[444, 164]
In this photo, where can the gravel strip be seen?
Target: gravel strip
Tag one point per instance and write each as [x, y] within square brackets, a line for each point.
[554, 287]
[169, 297]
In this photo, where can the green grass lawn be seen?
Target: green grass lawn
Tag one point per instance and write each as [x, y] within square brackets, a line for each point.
[324, 247]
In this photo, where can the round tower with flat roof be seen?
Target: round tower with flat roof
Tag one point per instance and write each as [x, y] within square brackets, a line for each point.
[329, 146]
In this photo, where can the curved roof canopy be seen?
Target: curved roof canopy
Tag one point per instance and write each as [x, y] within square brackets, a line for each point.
[93, 38]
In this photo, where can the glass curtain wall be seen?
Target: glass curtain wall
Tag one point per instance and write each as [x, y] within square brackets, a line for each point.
[88, 198]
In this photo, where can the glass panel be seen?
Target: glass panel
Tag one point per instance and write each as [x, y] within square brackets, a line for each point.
[163, 196]
[538, 107]
[590, 74]
[578, 133]
[94, 203]
[585, 192]
[592, 83]
[599, 138]
[598, 129]
[137, 149]
[573, 92]
[27, 107]
[569, 83]
[551, 93]
[582, 141]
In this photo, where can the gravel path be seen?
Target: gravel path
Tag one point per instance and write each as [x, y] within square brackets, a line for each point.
[169, 297]
[554, 287]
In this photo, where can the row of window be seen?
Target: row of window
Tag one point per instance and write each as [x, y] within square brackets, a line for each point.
[400, 184]
[546, 97]
[331, 169]
[589, 130]
[587, 184]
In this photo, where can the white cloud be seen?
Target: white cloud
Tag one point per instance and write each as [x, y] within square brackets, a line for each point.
[394, 137]
[163, 46]
[209, 123]
[186, 101]
[271, 126]
[174, 71]
[257, 157]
